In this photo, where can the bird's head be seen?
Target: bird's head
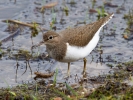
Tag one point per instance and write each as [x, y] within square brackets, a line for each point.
[51, 38]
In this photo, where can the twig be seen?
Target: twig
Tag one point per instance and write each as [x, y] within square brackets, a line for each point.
[22, 23]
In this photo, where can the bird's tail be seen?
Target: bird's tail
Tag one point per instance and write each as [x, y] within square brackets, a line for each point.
[106, 19]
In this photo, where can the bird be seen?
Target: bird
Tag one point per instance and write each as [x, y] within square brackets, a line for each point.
[76, 43]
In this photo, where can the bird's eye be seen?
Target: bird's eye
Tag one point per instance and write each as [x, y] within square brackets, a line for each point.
[50, 37]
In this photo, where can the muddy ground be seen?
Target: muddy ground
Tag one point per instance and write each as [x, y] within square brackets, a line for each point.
[116, 49]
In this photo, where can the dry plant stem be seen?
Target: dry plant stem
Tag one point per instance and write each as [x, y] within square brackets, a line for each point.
[26, 68]
[24, 24]
[16, 71]
[50, 5]
[32, 40]
[43, 18]
[27, 65]
[18, 22]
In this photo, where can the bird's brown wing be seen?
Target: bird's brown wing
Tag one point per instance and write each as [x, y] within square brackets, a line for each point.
[80, 36]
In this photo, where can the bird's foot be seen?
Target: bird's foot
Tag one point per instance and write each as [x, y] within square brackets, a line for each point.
[67, 76]
[84, 74]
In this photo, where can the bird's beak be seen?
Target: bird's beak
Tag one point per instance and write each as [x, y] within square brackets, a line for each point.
[42, 42]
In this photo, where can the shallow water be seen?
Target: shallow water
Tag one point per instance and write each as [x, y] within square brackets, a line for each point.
[115, 48]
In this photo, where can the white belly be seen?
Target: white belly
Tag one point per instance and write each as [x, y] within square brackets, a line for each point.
[75, 53]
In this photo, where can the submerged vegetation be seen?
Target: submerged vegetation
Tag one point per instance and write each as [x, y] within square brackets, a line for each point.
[129, 30]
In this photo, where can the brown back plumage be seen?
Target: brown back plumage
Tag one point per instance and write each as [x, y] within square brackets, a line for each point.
[81, 36]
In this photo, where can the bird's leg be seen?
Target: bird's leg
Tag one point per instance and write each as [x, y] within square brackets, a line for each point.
[68, 70]
[84, 59]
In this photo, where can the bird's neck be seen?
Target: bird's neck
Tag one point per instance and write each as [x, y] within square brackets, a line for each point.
[57, 51]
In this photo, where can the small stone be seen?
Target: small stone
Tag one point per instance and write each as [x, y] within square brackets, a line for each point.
[93, 89]
[82, 93]
[50, 84]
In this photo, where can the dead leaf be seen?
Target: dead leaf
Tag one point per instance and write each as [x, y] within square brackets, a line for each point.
[125, 36]
[43, 75]
[110, 4]
[50, 5]
[92, 11]
[57, 98]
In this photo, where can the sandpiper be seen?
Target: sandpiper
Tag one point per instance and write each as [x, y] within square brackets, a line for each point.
[73, 44]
